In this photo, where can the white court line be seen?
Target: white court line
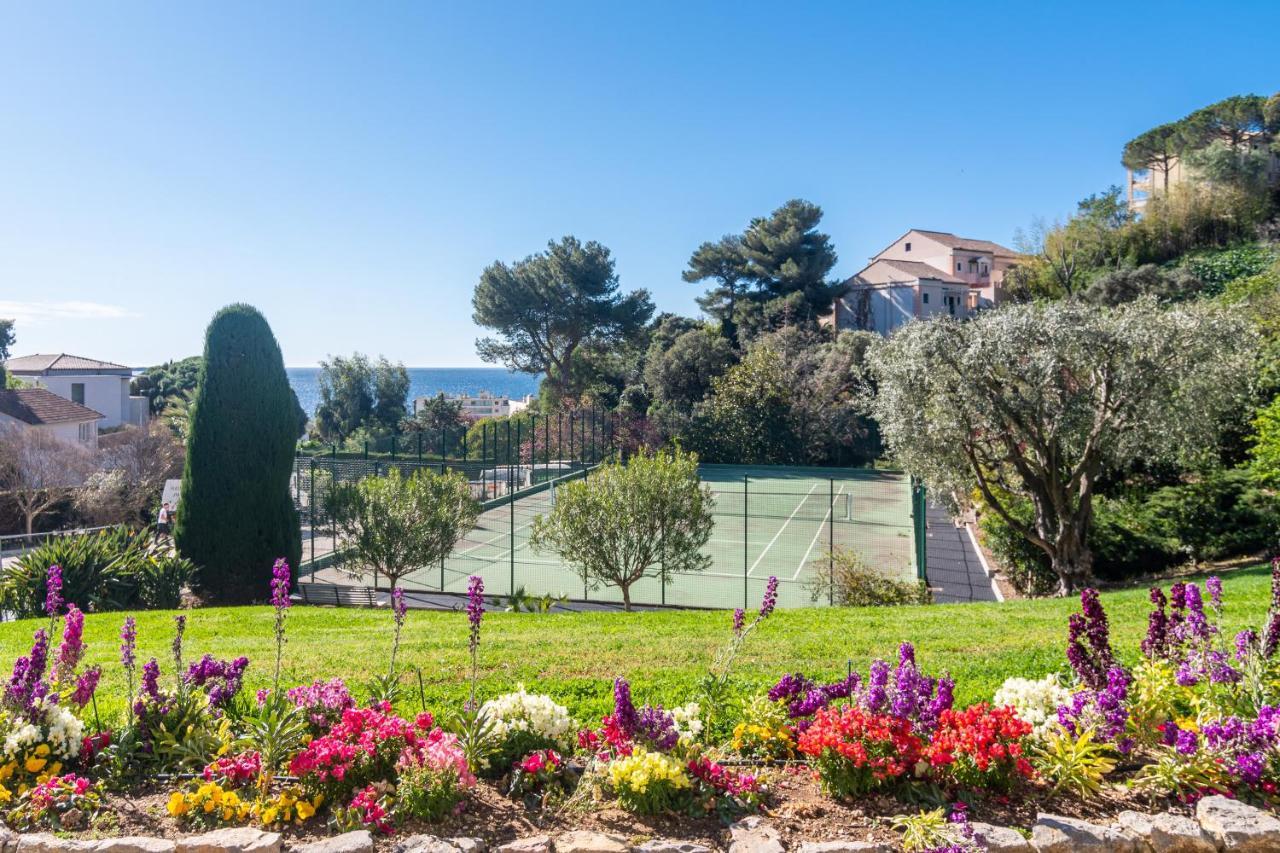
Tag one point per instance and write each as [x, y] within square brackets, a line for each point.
[799, 507]
[805, 559]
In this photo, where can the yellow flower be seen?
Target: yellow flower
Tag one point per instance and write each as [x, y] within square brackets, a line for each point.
[305, 811]
[5, 794]
[35, 765]
[42, 750]
[178, 805]
[270, 814]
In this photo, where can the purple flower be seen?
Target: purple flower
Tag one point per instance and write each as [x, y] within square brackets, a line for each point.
[624, 710]
[26, 685]
[658, 728]
[876, 696]
[789, 686]
[739, 617]
[1214, 586]
[1245, 641]
[1156, 643]
[1089, 641]
[398, 605]
[151, 680]
[220, 679]
[53, 600]
[770, 597]
[281, 579]
[1250, 767]
[128, 643]
[323, 701]
[1185, 742]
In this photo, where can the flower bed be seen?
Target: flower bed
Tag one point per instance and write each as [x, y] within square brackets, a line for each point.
[1198, 715]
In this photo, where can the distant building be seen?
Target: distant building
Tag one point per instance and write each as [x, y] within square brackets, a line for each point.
[923, 274]
[41, 409]
[482, 405]
[98, 385]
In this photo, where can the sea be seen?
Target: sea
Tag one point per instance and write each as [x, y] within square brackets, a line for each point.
[427, 382]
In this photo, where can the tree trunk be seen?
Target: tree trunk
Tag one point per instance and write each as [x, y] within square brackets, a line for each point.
[626, 597]
[1072, 561]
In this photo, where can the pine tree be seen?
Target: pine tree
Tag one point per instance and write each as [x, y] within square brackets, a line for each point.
[236, 515]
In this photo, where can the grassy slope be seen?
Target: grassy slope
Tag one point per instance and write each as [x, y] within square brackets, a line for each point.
[574, 656]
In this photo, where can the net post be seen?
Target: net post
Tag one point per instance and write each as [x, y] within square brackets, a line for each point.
[831, 545]
[511, 519]
[746, 492]
[313, 518]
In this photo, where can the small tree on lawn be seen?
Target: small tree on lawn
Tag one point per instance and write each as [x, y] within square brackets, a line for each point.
[392, 525]
[235, 513]
[646, 518]
[1042, 402]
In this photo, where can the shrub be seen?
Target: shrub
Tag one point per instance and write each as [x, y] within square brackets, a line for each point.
[846, 580]
[524, 723]
[110, 570]
[980, 748]
[237, 515]
[856, 752]
[1217, 269]
[433, 778]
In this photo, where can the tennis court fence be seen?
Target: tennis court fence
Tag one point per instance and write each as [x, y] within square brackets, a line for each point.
[780, 521]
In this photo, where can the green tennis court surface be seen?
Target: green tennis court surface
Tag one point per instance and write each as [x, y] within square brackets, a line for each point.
[768, 521]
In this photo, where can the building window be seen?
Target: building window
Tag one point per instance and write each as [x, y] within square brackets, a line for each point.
[925, 298]
[907, 248]
[86, 434]
[959, 266]
[77, 392]
[983, 269]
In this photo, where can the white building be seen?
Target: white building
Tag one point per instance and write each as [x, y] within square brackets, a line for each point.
[41, 409]
[98, 385]
[920, 275]
[482, 405]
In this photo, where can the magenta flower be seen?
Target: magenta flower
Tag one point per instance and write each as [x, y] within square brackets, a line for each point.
[86, 684]
[739, 617]
[475, 606]
[398, 605]
[281, 579]
[53, 600]
[71, 651]
[1214, 586]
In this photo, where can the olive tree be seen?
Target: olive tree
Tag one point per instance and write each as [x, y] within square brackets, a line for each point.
[393, 525]
[647, 517]
[1041, 402]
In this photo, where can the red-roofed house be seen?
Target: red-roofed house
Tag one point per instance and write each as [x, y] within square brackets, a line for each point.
[923, 274]
[99, 385]
[41, 409]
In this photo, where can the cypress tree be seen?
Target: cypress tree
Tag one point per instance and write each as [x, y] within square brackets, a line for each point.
[236, 515]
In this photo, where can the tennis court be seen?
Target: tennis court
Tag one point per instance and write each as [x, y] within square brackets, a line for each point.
[768, 521]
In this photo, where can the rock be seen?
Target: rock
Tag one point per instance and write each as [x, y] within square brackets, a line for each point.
[1000, 839]
[1056, 834]
[581, 841]
[1173, 833]
[753, 835]
[1233, 825]
[44, 842]
[423, 844]
[134, 844]
[663, 845]
[359, 841]
[843, 846]
[468, 845]
[236, 839]
[532, 844]
[8, 840]
[74, 819]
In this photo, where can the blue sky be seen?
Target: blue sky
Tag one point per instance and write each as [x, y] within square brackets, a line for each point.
[351, 168]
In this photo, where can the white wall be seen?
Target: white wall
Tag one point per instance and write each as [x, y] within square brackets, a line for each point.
[67, 432]
[108, 395]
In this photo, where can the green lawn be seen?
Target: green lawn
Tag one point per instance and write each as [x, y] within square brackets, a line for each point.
[575, 656]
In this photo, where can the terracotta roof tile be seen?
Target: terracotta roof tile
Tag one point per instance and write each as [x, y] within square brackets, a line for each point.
[41, 363]
[41, 406]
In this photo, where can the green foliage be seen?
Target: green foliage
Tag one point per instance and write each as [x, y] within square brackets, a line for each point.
[275, 728]
[117, 569]
[392, 525]
[723, 262]
[1182, 776]
[646, 518]
[6, 341]
[165, 383]
[547, 306]
[358, 393]
[747, 418]
[1129, 283]
[1074, 764]
[1265, 452]
[846, 580]
[236, 513]
[1219, 269]
[925, 831]
[679, 375]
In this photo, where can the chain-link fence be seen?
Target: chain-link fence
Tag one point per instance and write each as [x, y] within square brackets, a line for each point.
[769, 521]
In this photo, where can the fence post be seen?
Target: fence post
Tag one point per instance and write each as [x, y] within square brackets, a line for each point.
[444, 438]
[312, 504]
[746, 490]
[419, 447]
[831, 544]
[919, 528]
[511, 516]
[393, 447]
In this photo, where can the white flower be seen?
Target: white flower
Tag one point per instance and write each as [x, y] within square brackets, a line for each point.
[1035, 702]
[65, 731]
[529, 712]
[688, 721]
